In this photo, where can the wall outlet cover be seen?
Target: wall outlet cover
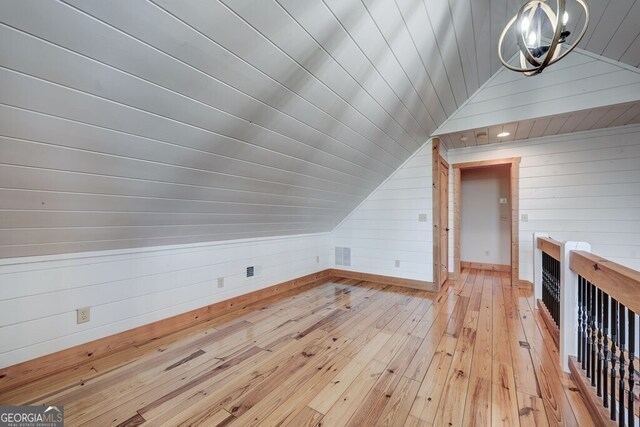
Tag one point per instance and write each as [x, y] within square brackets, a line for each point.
[503, 200]
[524, 217]
[83, 315]
[397, 263]
[422, 217]
[221, 282]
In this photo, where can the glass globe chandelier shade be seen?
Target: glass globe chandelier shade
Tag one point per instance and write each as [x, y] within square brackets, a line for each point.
[540, 34]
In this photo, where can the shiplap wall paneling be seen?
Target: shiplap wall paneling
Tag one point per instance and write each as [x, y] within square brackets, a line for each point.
[581, 187]
[116, 127]
[386, 226]
[393, 29]
[269, 18]
[609, 23]
[129, 288]
[463, 26]
[164, 97]
[416, 19]
[365, 33]
[580, 81]
[445, 35]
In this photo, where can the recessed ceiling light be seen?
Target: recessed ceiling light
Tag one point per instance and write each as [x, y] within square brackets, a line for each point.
[503, 134]
[463, 138]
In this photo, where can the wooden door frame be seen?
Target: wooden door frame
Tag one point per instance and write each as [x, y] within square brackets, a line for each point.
[514, 194]
[435, 173]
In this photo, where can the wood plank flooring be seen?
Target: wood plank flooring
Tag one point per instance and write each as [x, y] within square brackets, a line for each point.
[344, 353]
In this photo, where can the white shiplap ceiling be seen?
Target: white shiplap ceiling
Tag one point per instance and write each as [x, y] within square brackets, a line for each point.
[129, 123]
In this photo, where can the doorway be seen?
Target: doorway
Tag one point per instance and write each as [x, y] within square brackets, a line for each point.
[506, 217]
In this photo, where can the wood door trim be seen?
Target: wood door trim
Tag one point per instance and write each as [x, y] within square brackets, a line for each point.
[435, 197]
[514, 190]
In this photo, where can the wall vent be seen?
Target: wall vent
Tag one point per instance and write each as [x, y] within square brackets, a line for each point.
[250, 271]
[343, 256]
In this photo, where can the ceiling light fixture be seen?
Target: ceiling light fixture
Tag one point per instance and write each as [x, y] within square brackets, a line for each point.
[540, 34]
[503, 134]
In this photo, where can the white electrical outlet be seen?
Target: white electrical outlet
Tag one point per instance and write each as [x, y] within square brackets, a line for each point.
[221, 282]
[487, 253]
[397, 263]
[422, 217]
[317, 260]
[524, 217]
[503, 200]
[83, 315]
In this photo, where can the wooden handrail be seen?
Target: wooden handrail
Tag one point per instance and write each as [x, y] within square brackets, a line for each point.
[550, 247]
[620, 282]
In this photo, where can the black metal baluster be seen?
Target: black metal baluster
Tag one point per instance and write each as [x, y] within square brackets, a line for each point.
[632, 346]
[621, 339]
[587, 365]
[605, 359]
[580, 302]
[614, 342]
[584, 323]
[554, 287]
[556, 275]
[545, 300]
[599, 338]
[594, 335]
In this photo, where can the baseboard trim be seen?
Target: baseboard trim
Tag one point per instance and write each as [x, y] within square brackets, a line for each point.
[489, 267]
[548, 321]
[32, 370]
[386, 280]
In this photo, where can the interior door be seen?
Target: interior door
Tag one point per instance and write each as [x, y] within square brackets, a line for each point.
[444, 220]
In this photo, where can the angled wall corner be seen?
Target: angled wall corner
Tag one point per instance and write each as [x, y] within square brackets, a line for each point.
[394, 224]
[581, 81]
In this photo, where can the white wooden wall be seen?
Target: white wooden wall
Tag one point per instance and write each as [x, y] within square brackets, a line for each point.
[581, 81]
[580, 186]
[129, 288]
[385, 227]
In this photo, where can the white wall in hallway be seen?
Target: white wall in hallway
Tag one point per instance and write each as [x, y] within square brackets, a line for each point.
[130, 288]
[386, 226]
[581, 186]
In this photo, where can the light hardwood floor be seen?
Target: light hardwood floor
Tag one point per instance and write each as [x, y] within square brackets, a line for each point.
[344, 353]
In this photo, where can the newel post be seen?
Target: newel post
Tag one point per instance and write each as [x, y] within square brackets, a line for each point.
[569, 303]
[537, 266]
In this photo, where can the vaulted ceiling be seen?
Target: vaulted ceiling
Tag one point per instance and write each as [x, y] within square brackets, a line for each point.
[131, 123]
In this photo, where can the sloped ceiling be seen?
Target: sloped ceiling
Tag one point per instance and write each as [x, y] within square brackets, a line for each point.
[130, 123]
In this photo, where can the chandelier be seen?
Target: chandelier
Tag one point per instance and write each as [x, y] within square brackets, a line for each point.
[540, 35]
